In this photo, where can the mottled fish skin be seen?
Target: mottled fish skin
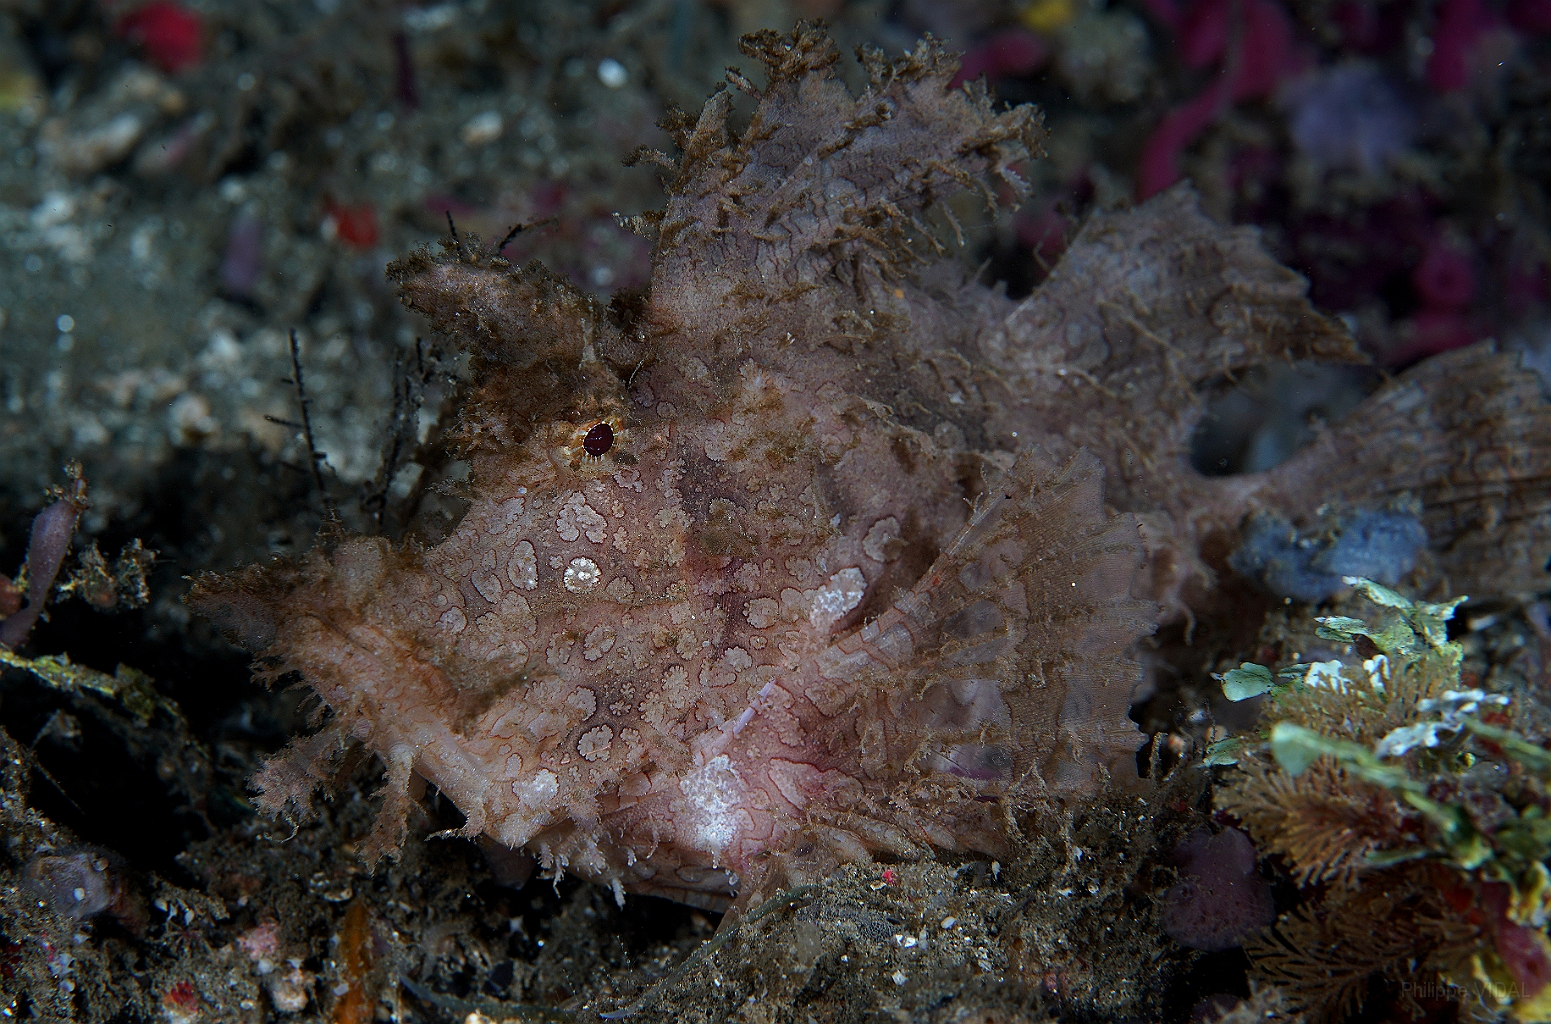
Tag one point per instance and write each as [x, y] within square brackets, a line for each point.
[843, 580]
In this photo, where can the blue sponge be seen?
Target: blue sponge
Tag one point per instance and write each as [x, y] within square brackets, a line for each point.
[1378, 545]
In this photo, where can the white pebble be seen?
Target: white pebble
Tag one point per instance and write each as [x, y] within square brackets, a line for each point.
[483, 128]
[612, 73]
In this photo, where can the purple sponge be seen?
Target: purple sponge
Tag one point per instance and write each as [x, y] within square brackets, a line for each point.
[1220, 899]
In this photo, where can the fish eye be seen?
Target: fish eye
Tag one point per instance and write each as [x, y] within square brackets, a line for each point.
[598, 440]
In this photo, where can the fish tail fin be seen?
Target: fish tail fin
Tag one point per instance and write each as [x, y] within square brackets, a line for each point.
[1467, 437]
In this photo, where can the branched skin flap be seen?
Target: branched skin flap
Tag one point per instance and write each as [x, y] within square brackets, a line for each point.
[839, 578]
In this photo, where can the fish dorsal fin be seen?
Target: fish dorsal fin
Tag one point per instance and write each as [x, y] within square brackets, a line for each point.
[822, 178]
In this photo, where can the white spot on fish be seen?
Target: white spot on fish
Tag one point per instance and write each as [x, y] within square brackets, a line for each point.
[582, 576]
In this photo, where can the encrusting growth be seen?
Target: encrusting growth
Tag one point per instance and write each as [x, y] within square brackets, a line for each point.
[1409, 803]
[803, 556]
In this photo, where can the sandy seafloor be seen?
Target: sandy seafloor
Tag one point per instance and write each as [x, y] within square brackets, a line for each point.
[168, 217]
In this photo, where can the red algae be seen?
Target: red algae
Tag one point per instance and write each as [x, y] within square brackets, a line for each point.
[355, 225]
[171, 34]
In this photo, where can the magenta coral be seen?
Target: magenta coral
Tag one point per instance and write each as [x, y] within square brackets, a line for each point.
[1254, 59]
[1159, 167]
[1460, 25]
[1010, 52]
